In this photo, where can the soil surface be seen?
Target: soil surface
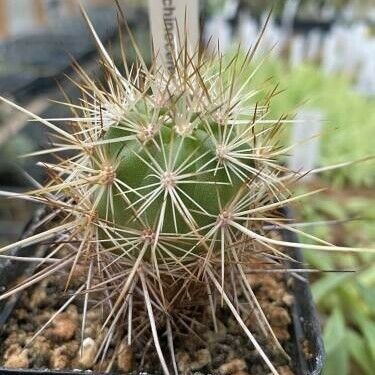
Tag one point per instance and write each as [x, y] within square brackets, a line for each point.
[226, 351]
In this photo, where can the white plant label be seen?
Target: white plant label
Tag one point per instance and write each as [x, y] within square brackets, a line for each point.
[305, 137]
[171, 22]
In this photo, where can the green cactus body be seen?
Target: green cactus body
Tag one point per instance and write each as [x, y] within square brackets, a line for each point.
[186, 171]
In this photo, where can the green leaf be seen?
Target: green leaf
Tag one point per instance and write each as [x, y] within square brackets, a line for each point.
[367, 328]
[360, 353]
[335, 344]
[320, 261]
[337, 362]
[368, 294]
[333, 209]
[327, 284]
[334, 332]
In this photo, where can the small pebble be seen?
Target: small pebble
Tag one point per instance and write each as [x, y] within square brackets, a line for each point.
[38, 297]
[183, 362]
[201, 359]
[64, 327]
[282, 333]
[21, 314]
[125, 358]
[16, 337]
[288, 299]
[59, 360]
[39, 352]
[284, 370]
[16, 357]
[233, 367]
[278, 316]
[89, 350]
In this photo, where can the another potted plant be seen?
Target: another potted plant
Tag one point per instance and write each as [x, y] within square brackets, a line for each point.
[166, 244]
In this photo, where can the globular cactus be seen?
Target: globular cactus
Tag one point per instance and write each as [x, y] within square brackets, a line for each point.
[171, 190]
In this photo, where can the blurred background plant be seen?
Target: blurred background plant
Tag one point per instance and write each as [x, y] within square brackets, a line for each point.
[349, 118]
[346, 301]
[322, 53]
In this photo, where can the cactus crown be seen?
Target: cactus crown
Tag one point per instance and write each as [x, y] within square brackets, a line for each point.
[172, 187]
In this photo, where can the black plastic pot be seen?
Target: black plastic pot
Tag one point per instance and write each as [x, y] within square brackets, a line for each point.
[305, 330]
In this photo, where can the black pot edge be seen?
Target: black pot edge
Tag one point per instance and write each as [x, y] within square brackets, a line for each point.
[305, 321]
[304, 315]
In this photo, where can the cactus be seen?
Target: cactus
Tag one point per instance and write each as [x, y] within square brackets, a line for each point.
[171, 189]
